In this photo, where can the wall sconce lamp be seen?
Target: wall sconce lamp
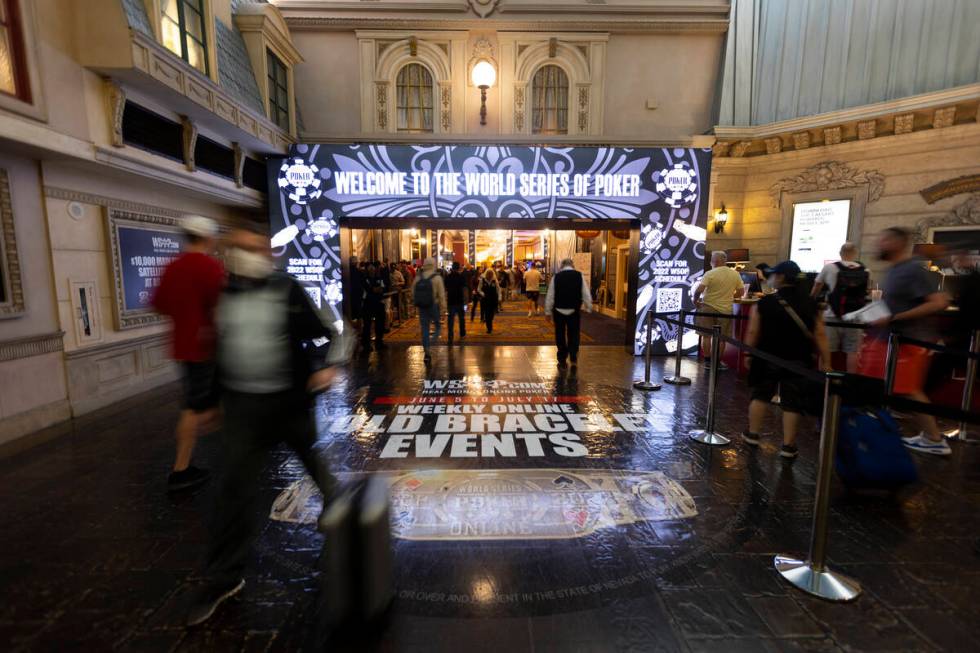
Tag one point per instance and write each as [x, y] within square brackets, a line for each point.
[483, 76]
[721, 219]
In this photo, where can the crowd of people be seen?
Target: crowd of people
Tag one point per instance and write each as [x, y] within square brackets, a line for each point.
[806, 324]
[242, 332]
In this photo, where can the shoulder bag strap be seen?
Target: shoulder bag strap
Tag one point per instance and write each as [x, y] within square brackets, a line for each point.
[799, 321]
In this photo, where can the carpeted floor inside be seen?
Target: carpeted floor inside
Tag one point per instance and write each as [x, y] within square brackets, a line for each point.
[512, 326]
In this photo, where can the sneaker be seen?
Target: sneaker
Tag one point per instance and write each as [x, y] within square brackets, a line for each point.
[789, 451]
[923, 444]
[208, 599]
[530, 314]
[750, 438]
[187, 478]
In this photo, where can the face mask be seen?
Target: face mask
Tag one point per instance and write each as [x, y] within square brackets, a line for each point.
[250, 265]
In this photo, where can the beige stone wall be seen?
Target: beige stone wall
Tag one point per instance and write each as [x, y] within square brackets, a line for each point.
[328, 86]
[908, 162]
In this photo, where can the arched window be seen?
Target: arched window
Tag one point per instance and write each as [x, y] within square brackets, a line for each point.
[549, 101]
[414, 98]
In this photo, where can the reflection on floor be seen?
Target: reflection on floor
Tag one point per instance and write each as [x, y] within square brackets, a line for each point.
[513, 326]
[94, 556]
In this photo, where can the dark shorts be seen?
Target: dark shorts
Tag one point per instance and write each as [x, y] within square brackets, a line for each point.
[532, 295]
[767, 383]
[200, 391]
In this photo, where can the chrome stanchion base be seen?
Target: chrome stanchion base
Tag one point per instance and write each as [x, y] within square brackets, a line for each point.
[677, 380]
[646, 385]
[709, 437]
[957, 434]
[826, 584]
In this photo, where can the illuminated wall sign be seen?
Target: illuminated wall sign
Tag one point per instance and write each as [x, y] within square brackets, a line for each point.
[663, 189]
[819, 230]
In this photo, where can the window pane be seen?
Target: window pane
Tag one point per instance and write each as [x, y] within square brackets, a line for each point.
[549, 101]
[194, 24]
[7, 83]
[413, 98]
[195, 55]
[171, 36]
[170, 10]
[282, 98]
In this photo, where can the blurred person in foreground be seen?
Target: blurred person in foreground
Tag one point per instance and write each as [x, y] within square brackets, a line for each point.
[787, 324]
[187, 294]
[265, 322]
[913, 301]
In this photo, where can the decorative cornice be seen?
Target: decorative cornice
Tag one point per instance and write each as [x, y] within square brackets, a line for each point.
[32, 346]
[966, 214]
[829, 175]
[634, 25]
[950, 187]
[70, 195]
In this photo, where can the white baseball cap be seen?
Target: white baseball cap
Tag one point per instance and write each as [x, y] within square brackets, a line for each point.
[198, 225]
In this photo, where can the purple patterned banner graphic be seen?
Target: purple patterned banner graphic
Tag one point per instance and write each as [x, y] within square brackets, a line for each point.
[664, 190]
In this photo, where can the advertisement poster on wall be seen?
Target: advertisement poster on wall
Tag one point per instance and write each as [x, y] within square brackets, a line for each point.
[819, 230]
[664, 190]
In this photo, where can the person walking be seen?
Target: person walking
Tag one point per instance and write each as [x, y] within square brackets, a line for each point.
[787, 324]
[456, 301]
[567, 295]
[187, 294]
[490, 297]
[845, 283]
[397, 286]
[912, 299]
[429, 296]
[716, 293]
[476, 280]
[503, 282]
[532, 283]
[372, 309]
[263, 320]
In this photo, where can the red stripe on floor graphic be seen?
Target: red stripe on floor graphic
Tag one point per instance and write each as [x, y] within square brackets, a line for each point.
[478, 399]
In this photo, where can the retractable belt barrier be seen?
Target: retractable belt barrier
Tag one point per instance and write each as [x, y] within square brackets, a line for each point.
[811, 574]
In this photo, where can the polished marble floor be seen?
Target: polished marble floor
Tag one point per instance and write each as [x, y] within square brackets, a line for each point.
[654, 542]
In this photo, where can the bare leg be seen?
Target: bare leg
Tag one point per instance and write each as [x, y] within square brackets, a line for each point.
[186, 435]
[757, 413]
[791, 422]
[926, 422]
[852, 363]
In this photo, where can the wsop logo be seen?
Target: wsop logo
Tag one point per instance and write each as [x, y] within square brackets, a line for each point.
[677, 185]
[300, 180]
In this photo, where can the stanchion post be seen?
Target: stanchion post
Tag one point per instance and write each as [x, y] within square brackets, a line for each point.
[677, 379]
[963, 432]
[891, 362]
[707, 435]
[646, 383]
[811, 575]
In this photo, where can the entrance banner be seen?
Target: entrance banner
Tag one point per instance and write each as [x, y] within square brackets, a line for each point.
[664, 190]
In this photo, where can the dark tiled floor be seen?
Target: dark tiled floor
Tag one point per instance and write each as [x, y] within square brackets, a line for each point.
[94, 556]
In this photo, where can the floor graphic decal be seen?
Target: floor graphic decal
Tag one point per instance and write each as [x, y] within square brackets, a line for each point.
[502, 504]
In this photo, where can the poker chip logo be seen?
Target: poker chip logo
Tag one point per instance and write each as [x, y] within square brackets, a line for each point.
[300, 180]
[677, 185]
[322, 229]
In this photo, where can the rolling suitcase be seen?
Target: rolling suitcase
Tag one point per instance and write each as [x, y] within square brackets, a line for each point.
[870, 453]
[356, 561]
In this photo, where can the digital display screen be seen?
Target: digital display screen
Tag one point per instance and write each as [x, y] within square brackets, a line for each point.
[819, 230]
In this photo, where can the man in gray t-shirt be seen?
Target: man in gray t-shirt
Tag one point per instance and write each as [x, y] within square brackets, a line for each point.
[912, 301]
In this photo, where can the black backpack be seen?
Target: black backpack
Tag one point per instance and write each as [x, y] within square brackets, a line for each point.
[851, 291]
[423, 294]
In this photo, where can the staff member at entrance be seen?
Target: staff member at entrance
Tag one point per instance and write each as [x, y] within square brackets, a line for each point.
[567, 295]
[717, 292]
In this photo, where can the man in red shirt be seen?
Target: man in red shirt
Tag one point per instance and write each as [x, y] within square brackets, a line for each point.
[187, 294]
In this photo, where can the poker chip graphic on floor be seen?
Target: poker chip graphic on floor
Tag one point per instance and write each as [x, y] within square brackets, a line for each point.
[300, 180]
[677, 185]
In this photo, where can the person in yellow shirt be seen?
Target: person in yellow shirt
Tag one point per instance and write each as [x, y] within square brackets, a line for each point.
[717, 292]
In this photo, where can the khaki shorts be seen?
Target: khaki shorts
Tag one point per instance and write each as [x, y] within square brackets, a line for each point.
[710, 322]
[845, 340]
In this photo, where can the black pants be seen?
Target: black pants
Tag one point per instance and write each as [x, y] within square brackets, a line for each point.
[254, 425]
[567, 331]
[476, 302]
[372, 313]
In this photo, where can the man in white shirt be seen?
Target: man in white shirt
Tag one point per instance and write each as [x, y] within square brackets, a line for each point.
[716, 293]
[838, 304]
[567, 295]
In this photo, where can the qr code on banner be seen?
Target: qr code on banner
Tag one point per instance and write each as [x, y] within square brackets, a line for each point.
[670, 300]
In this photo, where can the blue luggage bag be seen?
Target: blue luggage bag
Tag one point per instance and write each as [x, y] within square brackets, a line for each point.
[870, 453]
